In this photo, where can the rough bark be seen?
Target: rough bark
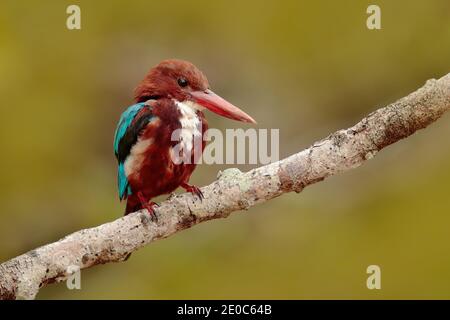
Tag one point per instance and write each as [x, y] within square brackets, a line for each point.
[21, 277]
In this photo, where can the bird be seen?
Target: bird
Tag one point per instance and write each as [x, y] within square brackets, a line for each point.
[172, 96]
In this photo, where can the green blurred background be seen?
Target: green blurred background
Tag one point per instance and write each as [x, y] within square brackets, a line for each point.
[307, 68]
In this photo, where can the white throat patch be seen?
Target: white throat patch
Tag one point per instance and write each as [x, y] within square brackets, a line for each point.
[190, 124]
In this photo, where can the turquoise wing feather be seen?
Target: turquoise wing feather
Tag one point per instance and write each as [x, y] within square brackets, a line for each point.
[124, 188]
[124, 124]
[125, 120]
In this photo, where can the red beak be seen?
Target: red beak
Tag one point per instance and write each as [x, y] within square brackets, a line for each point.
[216, 104]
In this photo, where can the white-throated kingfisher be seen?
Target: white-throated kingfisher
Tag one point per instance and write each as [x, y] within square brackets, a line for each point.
[172, 96]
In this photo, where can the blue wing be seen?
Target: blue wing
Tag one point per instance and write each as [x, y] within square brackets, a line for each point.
[131, 123]
[125, 120]
[122, 181]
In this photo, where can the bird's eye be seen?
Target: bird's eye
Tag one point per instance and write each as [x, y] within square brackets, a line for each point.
[182, 82]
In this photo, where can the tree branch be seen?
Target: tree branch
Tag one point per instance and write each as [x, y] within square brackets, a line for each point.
[21, 277]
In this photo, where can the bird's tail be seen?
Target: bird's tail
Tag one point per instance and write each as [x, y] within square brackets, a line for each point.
[133, 204]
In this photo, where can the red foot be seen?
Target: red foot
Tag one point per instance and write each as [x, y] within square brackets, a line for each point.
[149, 205]
[194, 190]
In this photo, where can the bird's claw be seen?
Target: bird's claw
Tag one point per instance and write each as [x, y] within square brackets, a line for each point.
[198, 192]
[194, 190]
[150, 206]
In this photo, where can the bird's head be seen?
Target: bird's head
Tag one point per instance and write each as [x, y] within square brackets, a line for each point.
[184, 82]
